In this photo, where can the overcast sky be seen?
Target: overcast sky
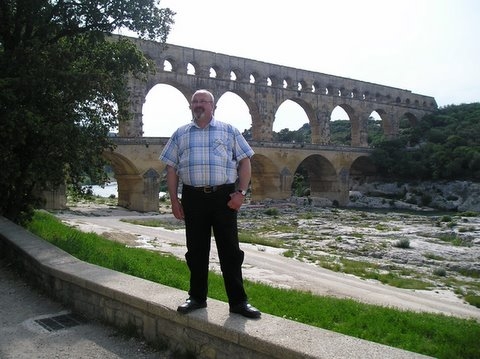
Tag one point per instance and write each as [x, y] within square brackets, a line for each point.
[430, 47]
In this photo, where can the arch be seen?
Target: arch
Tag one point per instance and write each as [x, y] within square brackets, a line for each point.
[272, 85]
[292, 113]
[121, 165]
[410, 117]
[320, 176]
[168, 66]
[302, 85]
[342, 118]
[237, 73]
[212, 72]
[275, 81]
[329, 90]
[362, 170]
[191, 69]
[174, 105]
[327, 166]
[266, 182]
[375, 127]
[233, 109]
[389, 125]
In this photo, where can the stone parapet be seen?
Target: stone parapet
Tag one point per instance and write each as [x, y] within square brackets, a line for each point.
[149, 309]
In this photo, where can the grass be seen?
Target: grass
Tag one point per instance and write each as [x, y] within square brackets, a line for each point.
[394, 277]
[431, 334]
[152, 222]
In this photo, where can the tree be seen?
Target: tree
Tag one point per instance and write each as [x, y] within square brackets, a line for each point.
[63, 88]
[443, 145]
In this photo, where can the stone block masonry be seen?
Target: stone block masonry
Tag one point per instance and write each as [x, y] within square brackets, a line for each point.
[149, 310]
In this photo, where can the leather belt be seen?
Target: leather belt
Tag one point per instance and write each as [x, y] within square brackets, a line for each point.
[209, 189]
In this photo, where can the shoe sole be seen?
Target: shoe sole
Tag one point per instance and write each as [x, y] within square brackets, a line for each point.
[253, 315]
[191, 309]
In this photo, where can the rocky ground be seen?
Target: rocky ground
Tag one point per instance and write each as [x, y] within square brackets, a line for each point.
[406, 246]
[423, 234]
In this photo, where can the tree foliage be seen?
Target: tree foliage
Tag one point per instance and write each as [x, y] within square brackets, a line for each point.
[340, 133]
[63, 88]
[444, 145]
[302, 135]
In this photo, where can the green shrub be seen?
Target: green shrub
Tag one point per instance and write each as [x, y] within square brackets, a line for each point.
[402, 243]
[441, 272]
[271, 212]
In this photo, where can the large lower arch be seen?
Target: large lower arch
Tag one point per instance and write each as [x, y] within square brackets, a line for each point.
[322, 177]
[362, 171]
[267, 181]
[137, 189]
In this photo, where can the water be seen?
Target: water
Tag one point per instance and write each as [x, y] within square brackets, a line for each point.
[111, 189]
[107, 190]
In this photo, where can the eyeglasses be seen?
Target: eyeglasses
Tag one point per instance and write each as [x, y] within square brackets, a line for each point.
[202, 102]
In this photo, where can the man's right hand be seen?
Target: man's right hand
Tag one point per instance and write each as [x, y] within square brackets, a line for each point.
[177, 209]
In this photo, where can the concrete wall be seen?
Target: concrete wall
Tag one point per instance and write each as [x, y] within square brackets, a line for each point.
[150, 309]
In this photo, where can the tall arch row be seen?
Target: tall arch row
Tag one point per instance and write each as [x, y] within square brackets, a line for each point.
[263, 108]
[264, 87]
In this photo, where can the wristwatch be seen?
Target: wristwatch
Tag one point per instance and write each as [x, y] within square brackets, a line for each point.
[243, 192]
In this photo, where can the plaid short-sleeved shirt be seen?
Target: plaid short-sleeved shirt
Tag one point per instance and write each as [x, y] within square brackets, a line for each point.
[206, 156]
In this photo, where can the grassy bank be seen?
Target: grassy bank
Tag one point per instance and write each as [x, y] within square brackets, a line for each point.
[435, 335]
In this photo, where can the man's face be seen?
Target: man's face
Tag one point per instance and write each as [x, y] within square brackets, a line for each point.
[202, 106]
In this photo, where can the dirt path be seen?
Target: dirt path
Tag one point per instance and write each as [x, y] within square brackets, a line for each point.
[268, 265]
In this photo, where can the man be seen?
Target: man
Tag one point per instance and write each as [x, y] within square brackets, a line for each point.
[209, 157]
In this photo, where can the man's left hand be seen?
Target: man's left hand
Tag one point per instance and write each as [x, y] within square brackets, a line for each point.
[236, 200]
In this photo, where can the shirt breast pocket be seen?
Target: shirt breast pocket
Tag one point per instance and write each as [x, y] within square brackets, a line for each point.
[220, 148]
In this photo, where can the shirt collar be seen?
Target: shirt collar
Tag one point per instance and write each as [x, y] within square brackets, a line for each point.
[212, 122]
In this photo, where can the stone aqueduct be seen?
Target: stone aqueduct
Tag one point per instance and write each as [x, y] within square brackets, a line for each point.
[263, 87]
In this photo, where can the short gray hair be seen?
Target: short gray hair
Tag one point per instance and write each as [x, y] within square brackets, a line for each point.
[206, 92]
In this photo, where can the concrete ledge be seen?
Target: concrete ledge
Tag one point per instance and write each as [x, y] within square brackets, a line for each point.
[150, 309]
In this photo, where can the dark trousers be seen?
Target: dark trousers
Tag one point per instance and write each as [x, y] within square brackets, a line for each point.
[204, 212]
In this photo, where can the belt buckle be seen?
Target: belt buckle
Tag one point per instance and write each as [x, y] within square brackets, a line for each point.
[208, 189]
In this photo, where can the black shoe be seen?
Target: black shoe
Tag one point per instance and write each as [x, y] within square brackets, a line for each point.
[190, 305]
[246, 310]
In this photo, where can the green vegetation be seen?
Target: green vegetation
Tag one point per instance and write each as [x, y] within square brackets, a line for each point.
[435, 335]
[63, 89]
[395, 276]
[402, 243]
[152, 222]
[340, 133]
[442, 146]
